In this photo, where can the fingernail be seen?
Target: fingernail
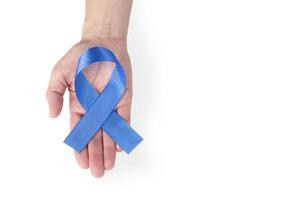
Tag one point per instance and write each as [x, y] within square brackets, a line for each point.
[51, 114]
[108, 165]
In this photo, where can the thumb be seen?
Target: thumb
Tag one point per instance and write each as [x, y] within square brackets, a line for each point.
[55, 92]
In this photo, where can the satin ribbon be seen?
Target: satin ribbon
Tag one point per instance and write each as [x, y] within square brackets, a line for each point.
[100, 107]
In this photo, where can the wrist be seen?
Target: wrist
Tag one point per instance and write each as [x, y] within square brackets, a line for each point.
[101, 30]
[106, 19]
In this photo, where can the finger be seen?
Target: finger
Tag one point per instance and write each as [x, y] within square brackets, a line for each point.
[61, 75]
[55, 92]
[109, 148]
[118, 148]
[95, 150]
[82, 157]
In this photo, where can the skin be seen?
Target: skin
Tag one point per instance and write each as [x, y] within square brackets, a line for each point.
[106, 24]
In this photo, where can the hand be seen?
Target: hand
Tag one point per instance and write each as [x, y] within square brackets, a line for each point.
[100, 153]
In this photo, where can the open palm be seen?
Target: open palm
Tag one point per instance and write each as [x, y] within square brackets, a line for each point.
[100, 153]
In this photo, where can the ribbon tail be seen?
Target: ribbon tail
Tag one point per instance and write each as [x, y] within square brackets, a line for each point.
[120, 132]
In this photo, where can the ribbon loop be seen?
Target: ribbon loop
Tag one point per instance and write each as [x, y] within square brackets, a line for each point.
[100, 107]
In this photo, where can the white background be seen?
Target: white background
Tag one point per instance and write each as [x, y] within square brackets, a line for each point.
[216, 97]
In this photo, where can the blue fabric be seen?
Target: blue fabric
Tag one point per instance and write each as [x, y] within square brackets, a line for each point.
[100, 107]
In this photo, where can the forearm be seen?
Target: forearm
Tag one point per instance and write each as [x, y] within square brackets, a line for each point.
[106, 19]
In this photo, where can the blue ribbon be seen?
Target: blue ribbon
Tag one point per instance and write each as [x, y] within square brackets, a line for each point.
[100, 107]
